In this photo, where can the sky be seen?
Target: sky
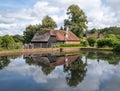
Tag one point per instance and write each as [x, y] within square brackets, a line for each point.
[16, 15]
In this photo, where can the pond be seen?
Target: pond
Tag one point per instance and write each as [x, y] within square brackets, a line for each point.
[84, 71]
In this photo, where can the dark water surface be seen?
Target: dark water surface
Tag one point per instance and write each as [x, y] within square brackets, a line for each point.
[85, 71]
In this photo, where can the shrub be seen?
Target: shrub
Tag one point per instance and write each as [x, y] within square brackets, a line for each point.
[105, 42]
[113, 36]
[84, 42]
[7, 42]
[18, 45]
[117, 47]
[69, 45]
[91, 41]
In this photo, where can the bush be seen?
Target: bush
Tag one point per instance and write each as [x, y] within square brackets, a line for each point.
[68, 45]
[7, 42]
[84, 42]
[18, 45]
[105, 42]
[117, 47]
[113, 36]
[91, 41]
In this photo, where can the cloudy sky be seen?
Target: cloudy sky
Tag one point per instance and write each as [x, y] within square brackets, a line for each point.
[15, 15]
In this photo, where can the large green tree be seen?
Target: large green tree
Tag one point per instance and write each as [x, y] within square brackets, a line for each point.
[77, 20]
[8, 42]
[29, 32]
[48, 23]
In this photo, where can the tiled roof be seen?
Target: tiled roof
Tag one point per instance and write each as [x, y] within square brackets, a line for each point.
[60, 35]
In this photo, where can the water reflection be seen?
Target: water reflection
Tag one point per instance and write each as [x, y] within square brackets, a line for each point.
[85, 71]
[72, 65]
[110, 57]
[5, 60]
[75, 72]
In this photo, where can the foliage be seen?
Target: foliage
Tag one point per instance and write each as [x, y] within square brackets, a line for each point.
[83, 42]
[113, 36]
[111, 30]
[76, 21]
[4, 61]
[110, 57]
[47, 70]
[92, 31]
[91, 41]
[8, 42]
[105, 42]
[48, 23]
[61, 28]
[18, 45]
[29, 32]
[68, 45]
[76, 72]
[18, 38]
[0, 41]
[117, 47]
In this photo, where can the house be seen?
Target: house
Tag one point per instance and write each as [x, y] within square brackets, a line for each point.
[97, 35]
[49, 38]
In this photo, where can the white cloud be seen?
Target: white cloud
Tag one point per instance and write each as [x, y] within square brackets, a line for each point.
[45, 8]
[99, 13]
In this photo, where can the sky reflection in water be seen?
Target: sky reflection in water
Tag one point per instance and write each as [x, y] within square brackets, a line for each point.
[87, 71]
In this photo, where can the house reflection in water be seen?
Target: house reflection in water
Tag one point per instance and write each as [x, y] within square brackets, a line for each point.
[50, 60]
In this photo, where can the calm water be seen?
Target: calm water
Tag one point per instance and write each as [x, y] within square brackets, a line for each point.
[86, 71]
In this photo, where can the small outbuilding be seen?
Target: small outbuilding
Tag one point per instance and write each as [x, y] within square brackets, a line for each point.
[49, 38]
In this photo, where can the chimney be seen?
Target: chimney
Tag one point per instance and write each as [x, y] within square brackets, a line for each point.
[66, 31]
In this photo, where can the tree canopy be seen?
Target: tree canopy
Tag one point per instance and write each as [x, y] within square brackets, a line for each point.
[48, 23]
[29, 32]
[77, 20]
[7, 41]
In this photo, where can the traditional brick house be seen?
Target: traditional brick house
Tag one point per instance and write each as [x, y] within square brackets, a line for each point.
[49, 38]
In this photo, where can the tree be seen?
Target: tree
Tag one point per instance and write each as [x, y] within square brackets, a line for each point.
[48, 23]
[29, 32]
[0, 41]
[92, 31]
[7, 42]
[76, 21]
[18, 38]
[61, 28]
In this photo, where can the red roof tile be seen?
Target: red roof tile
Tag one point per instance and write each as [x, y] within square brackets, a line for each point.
[60, 35]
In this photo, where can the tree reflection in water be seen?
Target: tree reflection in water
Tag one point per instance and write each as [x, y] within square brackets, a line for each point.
[110, 57]
[76, 72]
[5, 60]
